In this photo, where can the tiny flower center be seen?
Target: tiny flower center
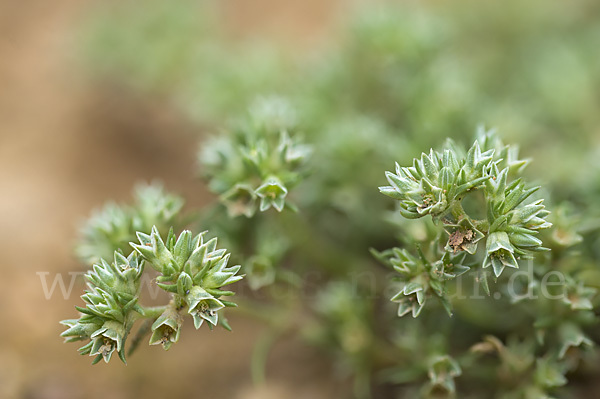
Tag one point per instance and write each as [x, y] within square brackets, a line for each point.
[107, 347]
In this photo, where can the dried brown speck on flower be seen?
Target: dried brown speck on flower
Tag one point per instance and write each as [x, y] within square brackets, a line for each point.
[459, 238]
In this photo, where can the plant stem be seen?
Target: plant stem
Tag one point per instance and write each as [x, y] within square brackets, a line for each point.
[153, 312]
[457, 210]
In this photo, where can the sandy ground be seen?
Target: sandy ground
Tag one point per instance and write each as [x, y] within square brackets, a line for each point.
[69, 143]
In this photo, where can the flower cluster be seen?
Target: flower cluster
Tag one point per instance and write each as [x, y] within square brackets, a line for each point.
[438, 183]
[111, 307]
[192, 270]
[256, 168]
[407, 72]
[114, 226]
[421, 279]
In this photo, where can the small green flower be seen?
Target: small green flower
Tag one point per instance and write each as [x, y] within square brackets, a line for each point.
[203, 306]
[442, 372]
[108, 339]
[452, 265]
[272, 193]
[260, 272]
[411, 298]
[549, 373]
[433, 202]
[500, 253]
[578, 296]
[572, 338]
[240, 200]
[166, 329]
[102, 348]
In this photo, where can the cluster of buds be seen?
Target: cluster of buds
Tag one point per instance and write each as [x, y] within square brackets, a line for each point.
[193, 271]
[421, 279]
[436, 181]
[513, 226]
[111, 308]
[114, 226]
[262, 160]
[436, 185]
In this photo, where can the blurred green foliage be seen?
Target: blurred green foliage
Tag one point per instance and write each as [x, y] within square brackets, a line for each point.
[401, 79]
[114, 226]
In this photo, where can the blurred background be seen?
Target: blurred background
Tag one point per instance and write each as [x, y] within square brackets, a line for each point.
[95, 97]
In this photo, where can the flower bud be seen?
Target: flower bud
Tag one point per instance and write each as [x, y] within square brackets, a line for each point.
[166, 329]
[203, 306]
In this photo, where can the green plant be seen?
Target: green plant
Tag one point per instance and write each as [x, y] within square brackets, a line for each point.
[114, 226]
[502, 292]
[481, 216]
[191, 270]
[438, 185]
[261, 164]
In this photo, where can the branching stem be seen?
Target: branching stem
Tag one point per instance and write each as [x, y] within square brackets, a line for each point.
[152, 312]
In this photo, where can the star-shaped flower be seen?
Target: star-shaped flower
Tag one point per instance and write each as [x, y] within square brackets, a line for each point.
[203, 306]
